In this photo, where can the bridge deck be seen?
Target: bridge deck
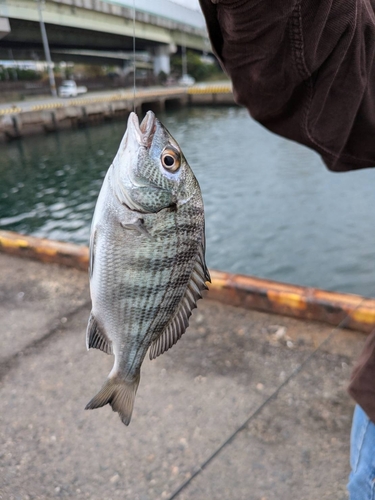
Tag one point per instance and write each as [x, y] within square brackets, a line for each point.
[189, 401]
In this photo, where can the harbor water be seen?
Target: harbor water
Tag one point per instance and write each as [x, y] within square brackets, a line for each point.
[272, 208]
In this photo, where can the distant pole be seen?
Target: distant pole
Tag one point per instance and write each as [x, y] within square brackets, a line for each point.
[51, 76]
[184, 61]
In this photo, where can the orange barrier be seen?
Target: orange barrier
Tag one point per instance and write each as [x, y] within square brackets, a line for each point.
[356, 312]
[45, 250]
[353, 311]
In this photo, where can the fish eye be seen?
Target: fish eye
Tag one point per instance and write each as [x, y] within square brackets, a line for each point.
[170, 159]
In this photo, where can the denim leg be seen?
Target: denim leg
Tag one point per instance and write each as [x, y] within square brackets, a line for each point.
[361, 484]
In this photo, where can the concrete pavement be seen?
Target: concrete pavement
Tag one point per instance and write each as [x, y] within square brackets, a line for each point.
[190, 400]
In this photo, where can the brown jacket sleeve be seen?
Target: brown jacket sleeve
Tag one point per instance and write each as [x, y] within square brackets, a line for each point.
[305, 69]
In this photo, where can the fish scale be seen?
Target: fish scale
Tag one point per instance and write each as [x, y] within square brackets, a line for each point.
[147, 265]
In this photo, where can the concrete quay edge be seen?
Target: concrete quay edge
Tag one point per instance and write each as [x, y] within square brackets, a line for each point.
[347, 310]
[119, 95]
[51, 115]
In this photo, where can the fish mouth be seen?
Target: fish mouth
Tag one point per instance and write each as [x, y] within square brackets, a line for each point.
[144, 132]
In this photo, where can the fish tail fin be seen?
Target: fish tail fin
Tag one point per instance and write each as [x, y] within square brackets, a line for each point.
[120, 394]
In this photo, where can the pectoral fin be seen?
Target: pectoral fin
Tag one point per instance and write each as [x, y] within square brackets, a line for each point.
[137, 225]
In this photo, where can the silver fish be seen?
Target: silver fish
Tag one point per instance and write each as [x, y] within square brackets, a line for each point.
[147, 257]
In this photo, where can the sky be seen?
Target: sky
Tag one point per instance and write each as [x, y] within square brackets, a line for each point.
[193, 4]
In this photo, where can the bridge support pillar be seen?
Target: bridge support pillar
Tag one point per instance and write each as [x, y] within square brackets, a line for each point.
[4, 27]
[162, 61]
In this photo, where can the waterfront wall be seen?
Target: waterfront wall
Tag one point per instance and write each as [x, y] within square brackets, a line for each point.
[49, 116]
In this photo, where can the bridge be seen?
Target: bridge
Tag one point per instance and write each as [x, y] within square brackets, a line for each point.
[99, 30]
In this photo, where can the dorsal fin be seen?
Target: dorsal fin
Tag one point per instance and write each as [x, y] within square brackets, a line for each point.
[96, 338]
[180, 321]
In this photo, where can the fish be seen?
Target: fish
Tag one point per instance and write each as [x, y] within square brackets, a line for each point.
[147, 257]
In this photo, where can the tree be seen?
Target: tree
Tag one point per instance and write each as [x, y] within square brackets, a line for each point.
[196, 67]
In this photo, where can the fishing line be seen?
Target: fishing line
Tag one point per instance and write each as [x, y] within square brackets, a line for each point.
[134, 64]
[270, 398]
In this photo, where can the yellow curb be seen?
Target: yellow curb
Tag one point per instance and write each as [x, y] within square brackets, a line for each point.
[9, 111]
[288, 299]
[67, 254]
[356, 312]
[218, 89]
[365, 315]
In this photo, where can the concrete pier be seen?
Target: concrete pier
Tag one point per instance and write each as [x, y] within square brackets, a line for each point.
[190, 401]
[50, 115]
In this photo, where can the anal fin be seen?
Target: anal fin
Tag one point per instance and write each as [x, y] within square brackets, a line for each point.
[96, 338]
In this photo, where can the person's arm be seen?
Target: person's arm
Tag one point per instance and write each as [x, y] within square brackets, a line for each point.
[305, 69]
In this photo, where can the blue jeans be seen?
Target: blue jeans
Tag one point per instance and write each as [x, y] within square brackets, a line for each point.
[361, 484]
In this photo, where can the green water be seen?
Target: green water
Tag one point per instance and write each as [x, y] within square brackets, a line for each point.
[272, 208]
